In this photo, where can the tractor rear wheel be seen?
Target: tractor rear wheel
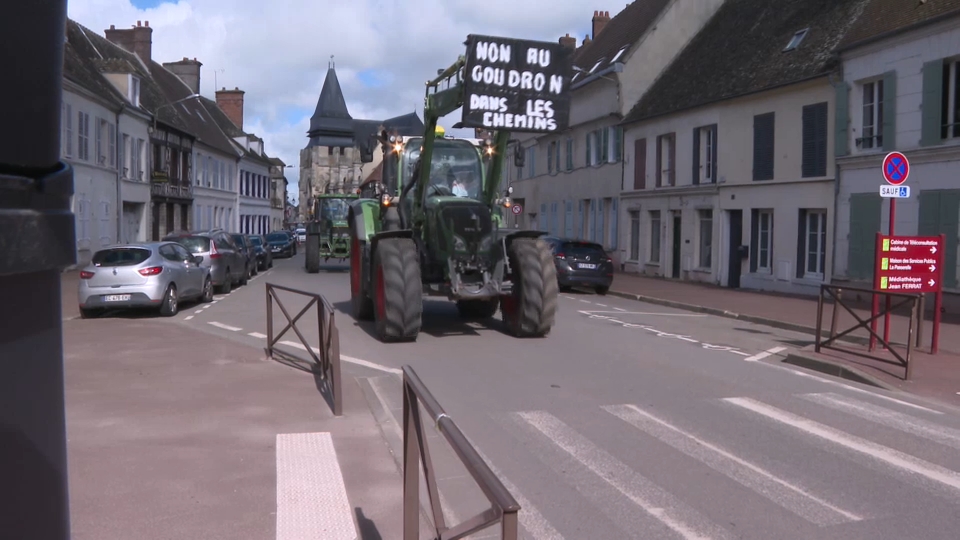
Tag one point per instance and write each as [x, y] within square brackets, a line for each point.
[531, 308]
[397, 290]
[478, 309]
[360, 303]
[313, 254]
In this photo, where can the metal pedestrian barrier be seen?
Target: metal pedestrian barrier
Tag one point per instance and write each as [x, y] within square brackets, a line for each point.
[504, 507]
[325, 361]
[836, 293]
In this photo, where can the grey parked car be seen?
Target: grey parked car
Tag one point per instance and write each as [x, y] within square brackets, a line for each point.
[227, 263]
[246, 246]
[152, 275]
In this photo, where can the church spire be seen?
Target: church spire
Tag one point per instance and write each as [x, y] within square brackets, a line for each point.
[331, 124]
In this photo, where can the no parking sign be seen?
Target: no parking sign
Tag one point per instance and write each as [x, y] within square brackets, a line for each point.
[517, 209]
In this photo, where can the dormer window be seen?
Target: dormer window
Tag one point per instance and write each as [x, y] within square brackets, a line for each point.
[796, 39]
[595, 66]
[134, 90]
[618, 55]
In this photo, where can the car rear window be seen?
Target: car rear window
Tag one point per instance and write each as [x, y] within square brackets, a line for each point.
[277, 237]
[194, 244]
[120, 257]
[577, 249]
[238, 238]
[255, 240]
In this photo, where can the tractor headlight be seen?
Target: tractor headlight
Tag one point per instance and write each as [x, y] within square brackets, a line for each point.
[459, 244]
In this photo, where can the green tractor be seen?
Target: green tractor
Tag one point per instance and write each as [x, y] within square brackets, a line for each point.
[328, 235]
[434, 225]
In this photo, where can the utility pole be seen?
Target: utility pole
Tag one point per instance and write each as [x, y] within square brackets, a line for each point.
[38, 241]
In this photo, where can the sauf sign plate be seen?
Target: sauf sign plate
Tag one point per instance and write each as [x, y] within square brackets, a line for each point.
[516, 85]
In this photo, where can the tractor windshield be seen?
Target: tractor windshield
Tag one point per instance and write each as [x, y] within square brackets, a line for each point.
[334, 209]
[456, 168]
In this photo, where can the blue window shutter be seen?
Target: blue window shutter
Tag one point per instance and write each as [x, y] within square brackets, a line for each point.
[600, 220]
[542, 218]
[614, 219]
[578, 223]
[930, 110]
[593, 220]
[889, 110]
[841, 141]
[568, 218]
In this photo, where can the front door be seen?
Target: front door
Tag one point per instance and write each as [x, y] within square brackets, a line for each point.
[677, 244]
[736, 239]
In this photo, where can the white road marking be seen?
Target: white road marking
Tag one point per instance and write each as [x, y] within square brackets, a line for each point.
[622, 312]
[188, 317]
[257, 335]
[677, 516]
[764, 354]
[585, 301]
[311, 496]
[345, 358]
[567, 297]
[224, 326]
[619, 309]
[878, 452]
[199, 311]
[602, 305]
[853, 388]
[782, 492]
[888, 417]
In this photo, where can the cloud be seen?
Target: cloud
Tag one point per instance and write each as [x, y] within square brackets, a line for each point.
[278, 52]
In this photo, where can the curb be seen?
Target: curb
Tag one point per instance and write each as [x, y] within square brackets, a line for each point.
[837, 369]
[803, 329]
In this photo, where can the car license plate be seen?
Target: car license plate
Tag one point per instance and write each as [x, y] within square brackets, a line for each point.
[116, 298]
[587, 266]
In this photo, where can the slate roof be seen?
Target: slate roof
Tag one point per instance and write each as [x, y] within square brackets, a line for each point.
[622, 32]
[740, 52]
[883, 18]
[109, 57]
[331, 123]
[84, 71]
[194, 113]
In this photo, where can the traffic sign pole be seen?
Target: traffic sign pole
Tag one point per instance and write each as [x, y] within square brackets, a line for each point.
[895, 170]
[886, 315]
[938, 302]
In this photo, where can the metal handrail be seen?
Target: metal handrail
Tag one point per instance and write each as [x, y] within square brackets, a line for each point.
[505, 508]
[836, 292]
[325, 359]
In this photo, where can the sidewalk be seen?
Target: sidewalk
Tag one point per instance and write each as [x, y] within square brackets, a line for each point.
[935, 376]
[172, 434]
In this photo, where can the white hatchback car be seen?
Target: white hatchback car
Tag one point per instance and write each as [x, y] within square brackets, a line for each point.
[152, 275]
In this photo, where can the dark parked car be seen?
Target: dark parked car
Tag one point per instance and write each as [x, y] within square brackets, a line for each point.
[220, 254]
[246, 247]
[264, 257]
[282, 244]
[581, 264]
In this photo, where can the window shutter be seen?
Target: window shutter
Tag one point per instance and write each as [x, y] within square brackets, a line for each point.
[673, 159]
[614, 223]
[754, 239]
[716, 142]
[696, 156]
[763, 146]
[589, 140]
[605, 146]
[578, 221]
[889, 110]
[930, 130]
[841, 141]
[640, 164]
[814, 150]
[802, 244]
[617, 144]
[660, 161]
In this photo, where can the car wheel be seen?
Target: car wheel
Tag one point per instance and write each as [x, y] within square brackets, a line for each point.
[87, 313]
[602, 290]
[227, 283]
[171, 304]
[207, 296]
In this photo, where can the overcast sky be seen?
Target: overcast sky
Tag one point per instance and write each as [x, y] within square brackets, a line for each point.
[278, 50]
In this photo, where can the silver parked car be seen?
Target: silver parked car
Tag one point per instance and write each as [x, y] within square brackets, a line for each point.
[152, 275]
[228, 263]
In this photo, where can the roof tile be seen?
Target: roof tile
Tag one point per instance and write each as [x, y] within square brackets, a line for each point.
[884, 17]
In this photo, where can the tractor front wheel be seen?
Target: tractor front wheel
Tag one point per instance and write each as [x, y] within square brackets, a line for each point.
[313, 254]
[397, 290]
[531, 308]
[478, 309]
[360, 303]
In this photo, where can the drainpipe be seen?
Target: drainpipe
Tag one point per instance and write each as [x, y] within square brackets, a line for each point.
[836, 186]
[116, 149]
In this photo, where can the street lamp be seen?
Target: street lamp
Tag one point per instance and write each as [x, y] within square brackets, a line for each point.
[171, 104]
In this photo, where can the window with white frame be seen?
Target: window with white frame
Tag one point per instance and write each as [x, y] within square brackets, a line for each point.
[666, 157]
[99, 125]
[872, 129]
[764, 241]
[604, 145]
[135, 90]
[634, 235]
[815, 240]
[705, 239]
[138, 157]
[655, 225]
[950, 109]
[83, 136]
[112, 145]
[124, 157]
[569, 155]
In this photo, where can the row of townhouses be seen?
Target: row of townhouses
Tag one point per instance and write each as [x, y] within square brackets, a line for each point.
[150, 154]
[739, 142]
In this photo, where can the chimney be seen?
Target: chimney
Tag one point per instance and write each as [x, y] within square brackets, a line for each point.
[600, 20]
[231, 103]
[586, 41]
[188, 71]
[569, 42]
[138, 40]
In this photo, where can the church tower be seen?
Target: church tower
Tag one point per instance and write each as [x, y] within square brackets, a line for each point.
[330, 163]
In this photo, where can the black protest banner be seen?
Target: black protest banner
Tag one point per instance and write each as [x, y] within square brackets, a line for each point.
[516, 85]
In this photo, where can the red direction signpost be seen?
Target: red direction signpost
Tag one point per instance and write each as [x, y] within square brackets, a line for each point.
[911, 265]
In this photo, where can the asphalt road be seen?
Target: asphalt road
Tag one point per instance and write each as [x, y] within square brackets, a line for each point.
[637, 421]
